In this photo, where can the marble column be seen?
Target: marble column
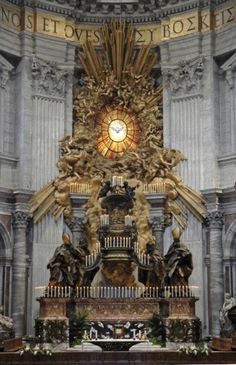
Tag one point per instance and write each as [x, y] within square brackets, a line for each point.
[19, 287]
[158, 228]
[76, 225]
[215, 221]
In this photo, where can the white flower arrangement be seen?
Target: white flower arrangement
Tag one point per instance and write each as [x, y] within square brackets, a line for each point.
[194, 349]
[36, 350]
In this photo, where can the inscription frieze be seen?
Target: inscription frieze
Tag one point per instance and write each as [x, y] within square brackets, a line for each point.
[61, 26]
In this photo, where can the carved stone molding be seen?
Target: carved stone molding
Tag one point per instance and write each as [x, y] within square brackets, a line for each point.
[229, 68]
[185, 78]
[93, 11]
[158, 223]
[215, 219]
[76, 224]
[48, 78]
[4, 77]
[20, 219]
[5, 72]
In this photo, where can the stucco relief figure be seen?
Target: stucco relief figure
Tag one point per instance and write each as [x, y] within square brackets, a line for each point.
[226, 328]
[66, 264]
[178, 261]
[155, 276]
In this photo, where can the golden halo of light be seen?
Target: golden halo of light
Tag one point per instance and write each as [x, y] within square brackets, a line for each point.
[118, 131]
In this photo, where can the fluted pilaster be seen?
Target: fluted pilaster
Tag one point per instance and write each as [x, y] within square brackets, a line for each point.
[48, 128]
[228, 97]
[5, 122]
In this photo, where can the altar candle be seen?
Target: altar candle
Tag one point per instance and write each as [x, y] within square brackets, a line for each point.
[69, 291]
[175, 288]
[139, 291]
[132, 291]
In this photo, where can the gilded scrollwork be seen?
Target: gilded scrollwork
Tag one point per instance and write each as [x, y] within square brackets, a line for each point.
[124, 82]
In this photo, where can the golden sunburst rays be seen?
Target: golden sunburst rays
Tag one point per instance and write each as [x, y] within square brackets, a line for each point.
[120, 54]
[118, 131]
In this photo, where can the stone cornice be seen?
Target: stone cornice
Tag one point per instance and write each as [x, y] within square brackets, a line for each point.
[90, 11]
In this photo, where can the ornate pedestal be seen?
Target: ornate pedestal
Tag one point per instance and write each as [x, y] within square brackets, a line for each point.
[180, 321]
[53, 323]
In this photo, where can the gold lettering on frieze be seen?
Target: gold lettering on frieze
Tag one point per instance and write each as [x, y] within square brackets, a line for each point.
[48, 25]
[28, 23]
[81, 33]
[206, 21]
[11, 17]
[148, 34]
[224, 16]
[180, 26]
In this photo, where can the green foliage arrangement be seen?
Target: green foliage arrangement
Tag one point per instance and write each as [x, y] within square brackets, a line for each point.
[157, 328]
[77, 326]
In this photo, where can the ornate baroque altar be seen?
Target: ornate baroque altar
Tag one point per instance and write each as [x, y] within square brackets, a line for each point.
[117, 190]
